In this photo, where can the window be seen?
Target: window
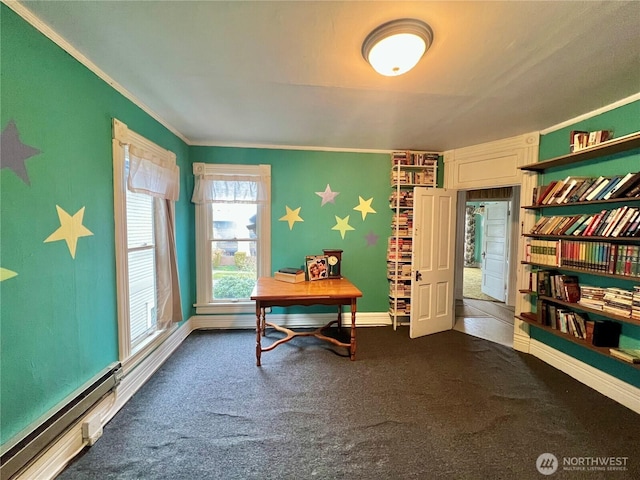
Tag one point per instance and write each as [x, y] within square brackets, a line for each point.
[146, 183]
[232, 234]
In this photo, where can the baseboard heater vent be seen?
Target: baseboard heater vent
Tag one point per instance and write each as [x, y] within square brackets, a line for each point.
[31, 444]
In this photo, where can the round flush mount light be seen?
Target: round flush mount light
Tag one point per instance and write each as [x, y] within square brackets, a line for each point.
[396, 47]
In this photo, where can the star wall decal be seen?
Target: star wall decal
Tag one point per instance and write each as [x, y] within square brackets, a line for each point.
[328, 196]
[371, 239]
[6, 274]
[342, 225]
[14, 153]
[292, 217]
[70, 230]
[364, 207]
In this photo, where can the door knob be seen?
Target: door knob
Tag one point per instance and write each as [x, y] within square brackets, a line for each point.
[418, 276]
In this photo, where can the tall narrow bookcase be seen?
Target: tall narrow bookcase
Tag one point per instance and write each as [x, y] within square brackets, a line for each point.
[409, 169]
[600, 249]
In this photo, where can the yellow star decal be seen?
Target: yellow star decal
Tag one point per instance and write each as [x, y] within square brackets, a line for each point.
[364, 207]
[6, 274]
[70, 230]
[292, 216]
[342, 225]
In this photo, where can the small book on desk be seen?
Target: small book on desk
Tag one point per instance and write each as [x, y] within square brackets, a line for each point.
[291, 275]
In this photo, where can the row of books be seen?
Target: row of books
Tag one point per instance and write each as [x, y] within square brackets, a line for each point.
[419, 177]
[400, 306]
[565, 320]
[414, 158]
[400, 289]
[599, 257]
[400, 244]
[555, 285]
[586, 189]
[398, 271]
[619, 222]
[402, 198]
[616, 301]
[580, 139]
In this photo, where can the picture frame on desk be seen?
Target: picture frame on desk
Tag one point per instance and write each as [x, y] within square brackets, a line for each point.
[317, 267]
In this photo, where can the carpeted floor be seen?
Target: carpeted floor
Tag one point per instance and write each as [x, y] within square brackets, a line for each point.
[446, 406]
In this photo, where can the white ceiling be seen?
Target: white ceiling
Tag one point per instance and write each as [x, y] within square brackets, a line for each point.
[291, 73]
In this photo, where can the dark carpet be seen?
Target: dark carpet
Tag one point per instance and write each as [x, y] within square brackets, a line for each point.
[445, 406]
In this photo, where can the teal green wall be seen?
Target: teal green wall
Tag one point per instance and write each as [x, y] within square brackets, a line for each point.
[622, 121]
[59, 324]
[295, 177]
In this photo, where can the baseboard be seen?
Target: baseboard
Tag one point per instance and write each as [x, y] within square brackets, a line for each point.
[312, 320]
[62, 451]
[609, 386]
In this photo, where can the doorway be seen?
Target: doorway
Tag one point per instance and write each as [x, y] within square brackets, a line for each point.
[485, 303]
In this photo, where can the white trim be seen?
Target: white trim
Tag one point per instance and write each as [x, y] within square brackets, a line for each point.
[52, 35]
[302, 320]
[606, 384]
[269, 146]
[585, 116]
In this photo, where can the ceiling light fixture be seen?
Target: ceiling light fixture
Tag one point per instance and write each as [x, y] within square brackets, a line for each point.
[396, 47]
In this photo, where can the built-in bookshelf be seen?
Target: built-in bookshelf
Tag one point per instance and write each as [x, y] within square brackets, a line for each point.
[409, 169]
[601, 241]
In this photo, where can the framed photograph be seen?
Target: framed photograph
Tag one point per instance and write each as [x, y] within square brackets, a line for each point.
[317, 267]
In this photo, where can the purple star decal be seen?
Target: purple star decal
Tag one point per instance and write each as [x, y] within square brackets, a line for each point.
[371, 238]
[328, 196]
[13, 152]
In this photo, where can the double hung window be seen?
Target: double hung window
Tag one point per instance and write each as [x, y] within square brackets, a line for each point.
[232, 234]
[146, 185]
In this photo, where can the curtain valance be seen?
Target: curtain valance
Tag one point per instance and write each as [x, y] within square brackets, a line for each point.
[221, 188]
[152, 176]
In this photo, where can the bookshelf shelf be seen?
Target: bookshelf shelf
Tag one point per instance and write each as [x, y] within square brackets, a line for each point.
[611, 244]
[588, 238]
[582, 270]
[531, 320]
[409, 169]
[582, 308]
[617, 145]
[625, 200]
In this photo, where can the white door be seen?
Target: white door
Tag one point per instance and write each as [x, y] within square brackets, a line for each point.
[494, 249]
[432, 295]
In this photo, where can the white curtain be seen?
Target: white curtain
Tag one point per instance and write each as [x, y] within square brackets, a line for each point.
[161, 180]
[221, 188]
[153, 176]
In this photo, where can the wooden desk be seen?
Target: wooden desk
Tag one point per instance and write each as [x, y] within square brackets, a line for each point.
[270, 292]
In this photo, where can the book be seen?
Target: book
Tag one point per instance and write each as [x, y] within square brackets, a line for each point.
[290, 277]
[588, 191]
[293, 270]
[626, 186]
[599, 188]
[631, 355]
[622, 181]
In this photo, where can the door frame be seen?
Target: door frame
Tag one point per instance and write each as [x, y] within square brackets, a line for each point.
[512, 242]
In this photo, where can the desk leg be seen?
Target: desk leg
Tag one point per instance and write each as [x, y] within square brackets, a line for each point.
[259, 328]
[339, 318]
[352, 349]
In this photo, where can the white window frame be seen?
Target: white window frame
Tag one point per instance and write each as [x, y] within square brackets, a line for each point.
[122, 136]
[204, 303]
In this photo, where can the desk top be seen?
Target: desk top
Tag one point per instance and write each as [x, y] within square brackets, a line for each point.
[268, 288]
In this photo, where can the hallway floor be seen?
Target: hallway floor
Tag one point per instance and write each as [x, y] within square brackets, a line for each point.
[492, 321]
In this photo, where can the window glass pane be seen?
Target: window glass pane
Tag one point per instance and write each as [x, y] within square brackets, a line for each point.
[139, 220]
[233, 250]
[142, 294]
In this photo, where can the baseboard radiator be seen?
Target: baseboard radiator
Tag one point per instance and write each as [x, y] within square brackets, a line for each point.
[34, 442]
